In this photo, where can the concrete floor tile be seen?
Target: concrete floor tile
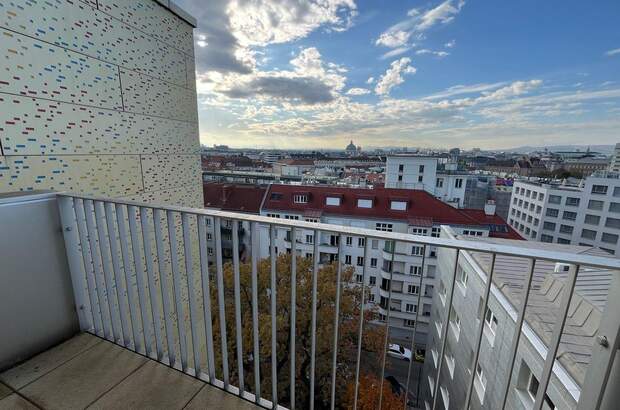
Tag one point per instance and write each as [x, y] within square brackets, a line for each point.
[153, 386]
[4, 391]
[83, 379]
[213, 398]
[16, 402]
[19, 376]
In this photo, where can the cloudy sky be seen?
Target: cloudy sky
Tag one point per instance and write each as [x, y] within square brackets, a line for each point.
[489, 74]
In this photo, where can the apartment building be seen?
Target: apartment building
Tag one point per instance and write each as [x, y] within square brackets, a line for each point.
[614, 164]
[587, 215]
[392, 210]
[498, 320]
[442, 180]
[82, 116]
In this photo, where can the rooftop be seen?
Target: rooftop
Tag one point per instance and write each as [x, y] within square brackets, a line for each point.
[233, 197]
[87, 371]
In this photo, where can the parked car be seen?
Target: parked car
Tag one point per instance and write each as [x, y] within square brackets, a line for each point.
[399, 352]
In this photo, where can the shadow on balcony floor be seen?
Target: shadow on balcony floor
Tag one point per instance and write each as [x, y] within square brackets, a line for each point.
[88, 372]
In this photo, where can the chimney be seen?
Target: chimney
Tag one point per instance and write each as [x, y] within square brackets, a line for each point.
[489, 208]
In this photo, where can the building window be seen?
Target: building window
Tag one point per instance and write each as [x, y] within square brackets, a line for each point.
[592, 219]
[420, 178]
[371, 298]
[552, 212]
[415, 270]
[361, 242]
[588, 234]
[347, 259]
[410, 308]
[374, 244]
[609, 238]
[462, 277]
[541, 196]
[564, 241]
[210, 251]
[569, 215]
[614, 207]
[458, 183]
[439, 183]
[372, 280]
[421, 169]
[408, 322]
[480, 383]
[360, 261]
[555, 199]
[490, 325]
[315, 220]
[276, 196]
[209, 237]
[383, 227]
[612, 223]
[309, 239]
[364, 203]
[373, 262]
[300, 198]
[293, 217]
[455, 323]
[398, 205]
[566, 229]
[419, 231]
[595, 205]
[599, 189]
[273, 215]
[332, 200]
[417, 250]
[349, 240]
[401, 167]
[413, 289]
[400, 178]
[359, 278]
[571, 201]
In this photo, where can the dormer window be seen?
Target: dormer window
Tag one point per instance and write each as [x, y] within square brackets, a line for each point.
[332, 200]
[300, 198]
[276, 196]
[398, 205]
[364, 203]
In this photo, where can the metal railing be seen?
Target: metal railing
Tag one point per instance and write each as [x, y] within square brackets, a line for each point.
[118, 251]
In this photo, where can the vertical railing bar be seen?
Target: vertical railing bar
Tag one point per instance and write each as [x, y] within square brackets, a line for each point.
[88, 267]
[567, 295]
[415, 325]
[239, 330]
[104, 307]
[274, 323]
[315, 270]
[485, 303]
[176, 284]
[387, 324]
[361, 327]
[67, 208]
[139, 271]
[150, 278]
[337, 322]
[220, 297]
[444, 330]
[163, 286]
[118, 278]
[191, 291]
[515, 339]
[256, 354]
[293, 377]
[133, 310]
[206, 294]
[104, 251]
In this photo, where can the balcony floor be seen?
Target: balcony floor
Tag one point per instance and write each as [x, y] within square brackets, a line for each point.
[89, 372]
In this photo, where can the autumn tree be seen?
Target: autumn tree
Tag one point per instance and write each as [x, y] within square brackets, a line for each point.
[368, 395]
[350, 302]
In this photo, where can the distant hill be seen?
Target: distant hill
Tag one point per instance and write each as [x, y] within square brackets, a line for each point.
[604, 149]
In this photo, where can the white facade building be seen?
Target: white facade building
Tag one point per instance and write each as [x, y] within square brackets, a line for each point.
[588, 215]
[443, 181]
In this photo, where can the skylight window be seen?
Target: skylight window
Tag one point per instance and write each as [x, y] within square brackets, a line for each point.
[332, 201]
[398, 205]
[364, 203]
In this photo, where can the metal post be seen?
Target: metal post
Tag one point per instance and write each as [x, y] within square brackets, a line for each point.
[206, 294]
[293, 313]
[274, 323]
[256, 354]
[191, 291]
[176, 288]
[361, 328]
[150, 280]
[220, 297]
[336, 322]
[387, 323]
[239, 329]
[315, 270]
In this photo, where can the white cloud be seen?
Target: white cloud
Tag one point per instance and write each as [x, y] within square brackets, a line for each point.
[370, 80]
[613, 52]
[358, 91]
[465, 89]
[423, 51]
[417, 22]
[394, 75]
[395, 52]
[450, 44]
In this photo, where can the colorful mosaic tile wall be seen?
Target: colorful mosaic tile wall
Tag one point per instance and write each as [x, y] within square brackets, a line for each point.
[99, 97]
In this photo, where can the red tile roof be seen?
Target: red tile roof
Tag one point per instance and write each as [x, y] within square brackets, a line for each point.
[233, 197]
[421, 206]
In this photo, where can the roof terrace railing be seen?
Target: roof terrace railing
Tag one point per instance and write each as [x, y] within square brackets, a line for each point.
[120, 253]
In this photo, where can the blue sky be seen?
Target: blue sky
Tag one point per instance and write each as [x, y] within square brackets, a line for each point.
[291, 74]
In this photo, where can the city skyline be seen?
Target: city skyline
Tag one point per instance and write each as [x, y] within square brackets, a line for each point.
[451, 73]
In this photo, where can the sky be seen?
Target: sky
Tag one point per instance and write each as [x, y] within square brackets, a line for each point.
[290, 74]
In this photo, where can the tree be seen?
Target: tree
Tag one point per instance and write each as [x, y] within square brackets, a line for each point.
[372, 340]
[368, 395]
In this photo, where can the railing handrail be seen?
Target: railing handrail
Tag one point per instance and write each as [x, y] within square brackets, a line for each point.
[466, 245]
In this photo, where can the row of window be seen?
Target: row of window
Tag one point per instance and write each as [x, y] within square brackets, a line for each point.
[528, 193]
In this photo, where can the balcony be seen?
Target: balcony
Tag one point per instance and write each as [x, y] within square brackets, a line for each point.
[146, 312]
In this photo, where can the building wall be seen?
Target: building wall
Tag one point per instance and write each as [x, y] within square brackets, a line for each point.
[99, 98]
[410, 177]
